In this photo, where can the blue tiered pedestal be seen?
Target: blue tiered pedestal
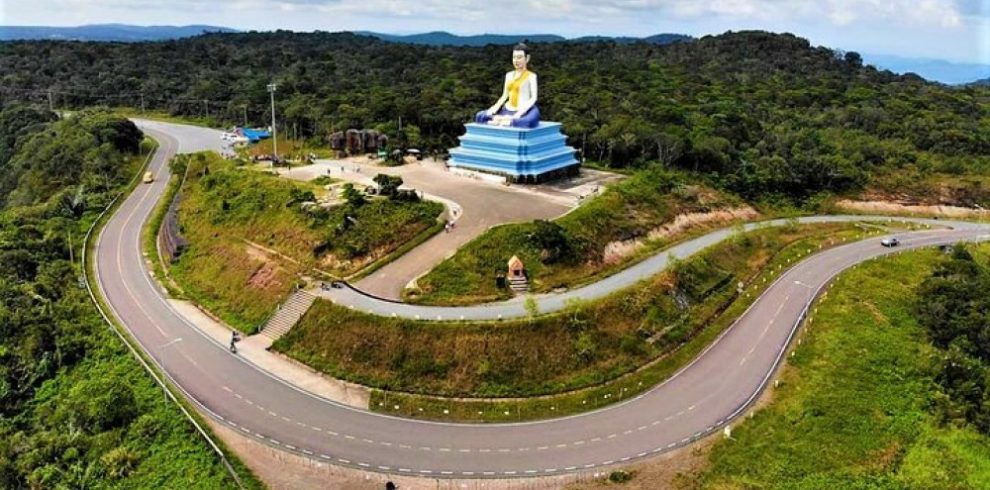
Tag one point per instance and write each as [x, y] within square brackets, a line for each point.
[521, 154]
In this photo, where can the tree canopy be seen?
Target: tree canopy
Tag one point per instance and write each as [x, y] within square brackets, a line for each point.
[956, 310]
[76, 411]
[758, 113]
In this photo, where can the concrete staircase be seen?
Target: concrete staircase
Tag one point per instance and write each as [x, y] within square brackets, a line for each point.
[519, 285]
[288, 314]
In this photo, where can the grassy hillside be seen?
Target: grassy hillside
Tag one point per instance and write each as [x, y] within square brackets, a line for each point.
[587, 345]
[251, 240]
[629, 221]
[76, 409]
[855, 409]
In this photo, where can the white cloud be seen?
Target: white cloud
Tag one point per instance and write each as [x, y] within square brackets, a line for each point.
[503, 14]
[941, 13]
[931, 13]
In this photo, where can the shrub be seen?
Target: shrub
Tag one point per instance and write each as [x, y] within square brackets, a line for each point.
[551, 240]
[619, 476]
[120, 461]
[352, 196]
[388, 185]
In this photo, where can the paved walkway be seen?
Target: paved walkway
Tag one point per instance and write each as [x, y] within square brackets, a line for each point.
[355, 298]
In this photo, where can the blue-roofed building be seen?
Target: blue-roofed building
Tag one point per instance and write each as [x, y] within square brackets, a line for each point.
[254, 135]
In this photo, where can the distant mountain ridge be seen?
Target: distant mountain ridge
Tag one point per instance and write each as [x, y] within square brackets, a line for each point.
[135, 33]
[443, 38]
[106, 32]
[932, 69]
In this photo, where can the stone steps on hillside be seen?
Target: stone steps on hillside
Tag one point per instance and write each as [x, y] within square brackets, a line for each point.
[288, 314]
[519, 284]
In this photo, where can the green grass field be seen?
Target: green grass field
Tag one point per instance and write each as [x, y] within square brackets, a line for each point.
[853, 409]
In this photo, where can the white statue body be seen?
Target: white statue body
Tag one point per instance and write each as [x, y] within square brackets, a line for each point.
[517, 105]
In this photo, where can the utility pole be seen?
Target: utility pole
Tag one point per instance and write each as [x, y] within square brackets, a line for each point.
[245, 115]
[206, 108]
[142, 102]
[51, 104]
[271, 90]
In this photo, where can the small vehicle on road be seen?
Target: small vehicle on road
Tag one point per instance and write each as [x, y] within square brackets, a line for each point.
[148, 178]
[890, 242]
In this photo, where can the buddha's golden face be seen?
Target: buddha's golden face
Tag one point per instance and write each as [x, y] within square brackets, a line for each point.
[519, 59]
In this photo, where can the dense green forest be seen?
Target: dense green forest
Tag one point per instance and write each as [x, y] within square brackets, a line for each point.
[955, 308]
[76, 410]
[764, 115]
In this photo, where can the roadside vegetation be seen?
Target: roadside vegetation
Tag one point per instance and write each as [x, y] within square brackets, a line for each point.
[76, 409]
[296, 150]
[629, 221]
[252, 235]
[162, 115]
[586, 346]
[955, 309]
[887, 389]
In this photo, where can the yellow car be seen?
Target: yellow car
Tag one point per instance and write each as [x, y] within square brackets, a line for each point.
[148, 178]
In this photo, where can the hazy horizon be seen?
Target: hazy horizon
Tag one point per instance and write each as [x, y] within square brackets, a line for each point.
[950, 30]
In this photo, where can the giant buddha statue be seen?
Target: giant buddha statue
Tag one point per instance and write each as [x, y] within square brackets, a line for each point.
[517, 105]
[509, 139]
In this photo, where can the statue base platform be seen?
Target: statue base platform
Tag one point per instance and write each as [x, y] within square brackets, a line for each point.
[523, 155]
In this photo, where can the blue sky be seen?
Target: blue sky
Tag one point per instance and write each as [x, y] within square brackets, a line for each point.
[954, 30]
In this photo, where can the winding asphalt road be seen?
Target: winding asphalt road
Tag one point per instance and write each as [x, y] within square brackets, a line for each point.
[358, 299]
[716, 387]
